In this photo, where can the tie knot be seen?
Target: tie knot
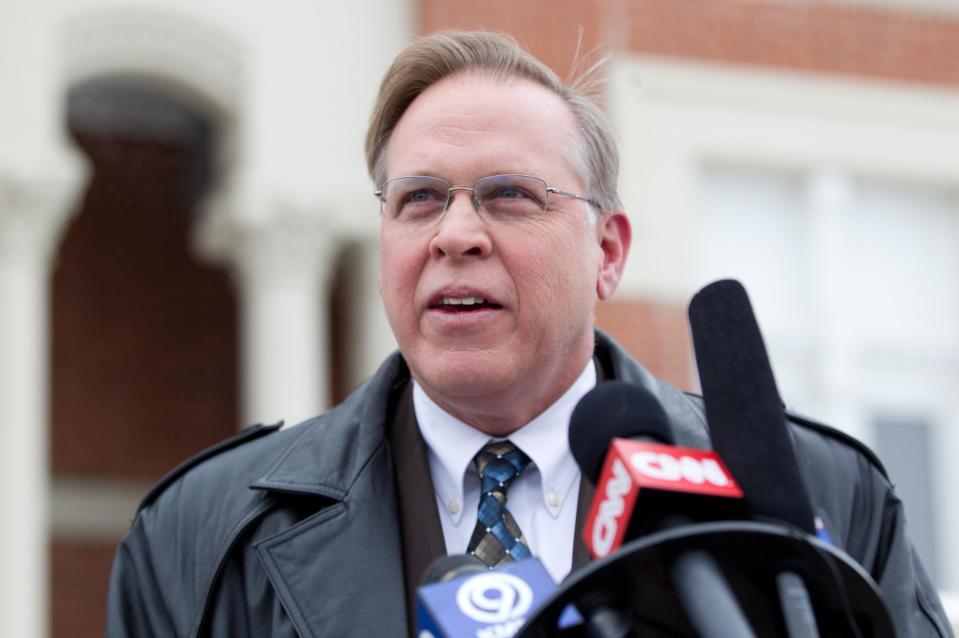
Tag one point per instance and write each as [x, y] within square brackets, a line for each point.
[500, 462]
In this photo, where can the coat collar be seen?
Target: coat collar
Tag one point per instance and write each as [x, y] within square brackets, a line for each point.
[340, 571]
[332, 449]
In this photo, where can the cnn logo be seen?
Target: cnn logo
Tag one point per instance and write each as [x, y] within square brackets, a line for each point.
[663, 466]
[606, 524]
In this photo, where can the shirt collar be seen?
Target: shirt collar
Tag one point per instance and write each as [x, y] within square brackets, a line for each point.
[453, 444]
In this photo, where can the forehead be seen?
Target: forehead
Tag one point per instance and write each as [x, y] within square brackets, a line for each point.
[472, 122]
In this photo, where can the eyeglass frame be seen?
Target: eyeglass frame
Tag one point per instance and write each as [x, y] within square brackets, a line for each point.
[550, 190]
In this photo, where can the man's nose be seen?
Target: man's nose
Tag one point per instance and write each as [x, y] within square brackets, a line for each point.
[462, 231]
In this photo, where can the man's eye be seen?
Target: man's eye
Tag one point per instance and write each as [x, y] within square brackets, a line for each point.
[511, 192]
[421, 195]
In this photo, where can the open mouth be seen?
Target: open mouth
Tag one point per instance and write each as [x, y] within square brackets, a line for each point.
[464, 304]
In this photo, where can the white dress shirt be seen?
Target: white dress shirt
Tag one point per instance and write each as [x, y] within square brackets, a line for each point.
[542, 499]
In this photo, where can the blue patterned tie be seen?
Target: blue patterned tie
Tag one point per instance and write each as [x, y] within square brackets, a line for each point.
[497, 538]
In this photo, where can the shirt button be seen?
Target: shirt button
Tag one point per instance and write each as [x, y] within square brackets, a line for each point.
[453, 506]
[552, 498]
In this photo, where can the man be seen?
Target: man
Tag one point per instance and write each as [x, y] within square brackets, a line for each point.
[500, 230]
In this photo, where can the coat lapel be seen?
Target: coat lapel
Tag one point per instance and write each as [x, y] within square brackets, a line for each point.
[339, 572]
[337, 569]
[422, 532]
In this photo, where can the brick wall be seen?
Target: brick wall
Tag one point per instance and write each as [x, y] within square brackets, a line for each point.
[144, 338]
[853, 39]
[79, 575]
[655, 333]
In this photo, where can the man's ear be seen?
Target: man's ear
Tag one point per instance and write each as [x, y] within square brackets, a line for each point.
[615, 235]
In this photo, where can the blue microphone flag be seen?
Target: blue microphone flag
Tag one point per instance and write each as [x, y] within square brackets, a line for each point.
[493, 604]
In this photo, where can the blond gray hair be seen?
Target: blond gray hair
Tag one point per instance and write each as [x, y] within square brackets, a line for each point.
[431, 58]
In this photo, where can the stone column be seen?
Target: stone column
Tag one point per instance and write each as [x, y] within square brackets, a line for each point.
[282, 263]
[32, 216]
[367, 335]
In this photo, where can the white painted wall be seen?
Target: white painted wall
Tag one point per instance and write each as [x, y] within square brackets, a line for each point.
[674, 119]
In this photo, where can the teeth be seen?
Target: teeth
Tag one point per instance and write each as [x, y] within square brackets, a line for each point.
[462, 301]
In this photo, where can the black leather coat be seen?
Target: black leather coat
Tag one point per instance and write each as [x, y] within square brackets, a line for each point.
[294, 532]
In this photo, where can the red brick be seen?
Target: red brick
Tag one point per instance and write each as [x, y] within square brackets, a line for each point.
[143, 337]
[821, 37]
[79, 577]
[655, 333]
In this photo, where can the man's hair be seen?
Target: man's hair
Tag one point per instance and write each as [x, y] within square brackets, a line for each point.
[431, 58]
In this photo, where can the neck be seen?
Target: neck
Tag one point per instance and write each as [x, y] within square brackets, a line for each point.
[500, 414]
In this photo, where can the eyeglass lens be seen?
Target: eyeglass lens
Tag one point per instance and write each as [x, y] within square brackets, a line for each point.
[503, 198]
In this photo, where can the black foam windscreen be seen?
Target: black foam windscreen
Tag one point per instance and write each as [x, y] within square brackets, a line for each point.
[453, 566]
[613, 409]
[747, 421]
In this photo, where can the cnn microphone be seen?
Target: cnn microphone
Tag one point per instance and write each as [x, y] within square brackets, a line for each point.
[620, 436]
[677, 486]
[461, 597]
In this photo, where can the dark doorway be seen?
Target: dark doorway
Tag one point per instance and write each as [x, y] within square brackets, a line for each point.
[144, 357]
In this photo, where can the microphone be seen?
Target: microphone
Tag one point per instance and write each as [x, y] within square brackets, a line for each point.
[748, 427]
[614, 409]
[620, 437]
[446, 568]
[747, 422]
[677, 484]
[670, 568]
[461, 597]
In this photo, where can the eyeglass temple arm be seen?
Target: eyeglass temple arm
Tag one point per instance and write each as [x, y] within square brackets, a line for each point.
[557, 191]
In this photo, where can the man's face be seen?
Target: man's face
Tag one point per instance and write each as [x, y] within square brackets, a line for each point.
[497, 364]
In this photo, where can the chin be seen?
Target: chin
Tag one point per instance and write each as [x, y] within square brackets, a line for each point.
[466, 375]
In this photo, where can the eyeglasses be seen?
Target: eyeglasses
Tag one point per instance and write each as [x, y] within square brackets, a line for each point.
[420, 200]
